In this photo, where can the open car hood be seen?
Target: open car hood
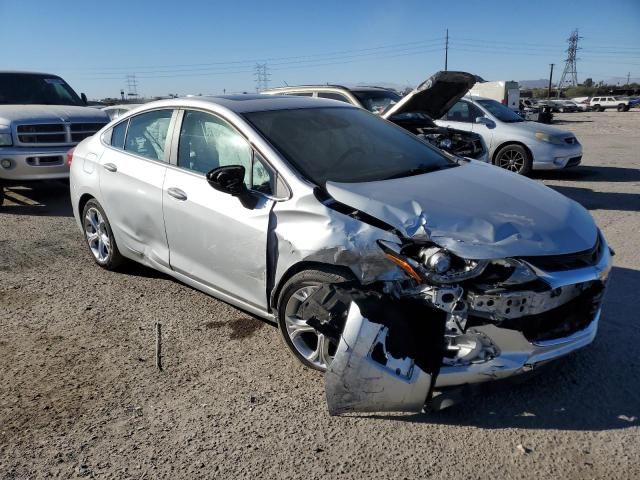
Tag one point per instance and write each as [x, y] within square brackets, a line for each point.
[435, 96]
[477, 211]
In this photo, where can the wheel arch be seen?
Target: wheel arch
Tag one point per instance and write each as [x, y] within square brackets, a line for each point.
[506, 144]
[84, 198]
[300, 267]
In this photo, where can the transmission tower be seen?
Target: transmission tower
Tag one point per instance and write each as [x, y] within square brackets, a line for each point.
[262, 77]
[569, 76]
[132, 86]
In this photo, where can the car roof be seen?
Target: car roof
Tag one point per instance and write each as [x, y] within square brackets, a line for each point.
[250, 103]
[23, 72]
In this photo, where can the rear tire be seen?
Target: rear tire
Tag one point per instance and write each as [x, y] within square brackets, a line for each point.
[514, 158]
[311, 348]
[99, 236]
[621, 107]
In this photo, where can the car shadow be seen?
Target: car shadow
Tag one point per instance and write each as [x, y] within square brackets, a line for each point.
[594, 200]
[591, 174]
[567, 122]
[47, 198]
[597, 388]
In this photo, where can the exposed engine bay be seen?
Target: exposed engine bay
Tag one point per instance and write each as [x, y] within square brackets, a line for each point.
[457, 142]
[398, 341]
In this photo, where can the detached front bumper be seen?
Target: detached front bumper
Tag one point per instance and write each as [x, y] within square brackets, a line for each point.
[44, 163]
[377, 366]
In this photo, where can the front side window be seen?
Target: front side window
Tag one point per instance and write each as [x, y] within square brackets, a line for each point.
[147, 134]
[333, 96]
[345, 145]
[501, 112]
[208, 142]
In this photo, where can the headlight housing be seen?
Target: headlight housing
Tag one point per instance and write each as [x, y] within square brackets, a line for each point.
[432, 263]
[545, 137]
[5, 140]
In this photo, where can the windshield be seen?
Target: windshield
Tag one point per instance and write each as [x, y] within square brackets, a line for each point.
[345, 145]
[499, 111]
[377, 101]
[34, 89]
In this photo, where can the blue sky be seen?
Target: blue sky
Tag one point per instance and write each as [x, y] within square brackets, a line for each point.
[198, 46]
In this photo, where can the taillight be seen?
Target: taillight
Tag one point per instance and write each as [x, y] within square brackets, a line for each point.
[70, 156]
[504, 102]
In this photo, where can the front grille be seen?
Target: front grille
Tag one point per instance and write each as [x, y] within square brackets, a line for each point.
[46, 161]
[554, 263]
[573, 316]
[56, 133]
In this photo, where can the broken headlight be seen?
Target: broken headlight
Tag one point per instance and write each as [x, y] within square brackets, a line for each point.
[432, 263]
[508, 271]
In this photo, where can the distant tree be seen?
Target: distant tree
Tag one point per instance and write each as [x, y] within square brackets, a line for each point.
[588, 82]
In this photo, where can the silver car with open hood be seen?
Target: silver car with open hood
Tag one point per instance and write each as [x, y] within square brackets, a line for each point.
[400, 270]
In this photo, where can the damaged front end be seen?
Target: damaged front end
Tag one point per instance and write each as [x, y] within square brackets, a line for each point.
[453, 322]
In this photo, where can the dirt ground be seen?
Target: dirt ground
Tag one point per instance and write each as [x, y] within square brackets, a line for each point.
[79, 394]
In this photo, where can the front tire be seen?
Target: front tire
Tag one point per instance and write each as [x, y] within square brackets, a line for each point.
[514, 158]
[99, 236]
[596, 108]
[310, 347]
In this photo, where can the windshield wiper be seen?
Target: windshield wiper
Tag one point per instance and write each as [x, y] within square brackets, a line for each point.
[421, 169]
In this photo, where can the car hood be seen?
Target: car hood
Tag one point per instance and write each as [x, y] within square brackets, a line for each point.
[49, 114]
[477, 211]
[435, 96]
[540, 127]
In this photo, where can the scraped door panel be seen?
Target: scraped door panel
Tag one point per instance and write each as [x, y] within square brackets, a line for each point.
[363, 377]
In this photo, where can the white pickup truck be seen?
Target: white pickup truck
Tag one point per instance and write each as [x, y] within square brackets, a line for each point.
[41, 118]
[600, 104]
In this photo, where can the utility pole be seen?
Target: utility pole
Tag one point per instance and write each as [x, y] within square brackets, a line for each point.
[628, 78]
[446, 50]
[550, 78]
[570, 73]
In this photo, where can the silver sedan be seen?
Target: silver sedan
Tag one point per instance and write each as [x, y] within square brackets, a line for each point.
[392, 266]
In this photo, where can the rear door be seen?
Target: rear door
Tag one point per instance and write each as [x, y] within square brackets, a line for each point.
[131, 180]
[213, 239]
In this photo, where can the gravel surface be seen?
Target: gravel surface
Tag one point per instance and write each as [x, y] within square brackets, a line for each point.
[80, 395]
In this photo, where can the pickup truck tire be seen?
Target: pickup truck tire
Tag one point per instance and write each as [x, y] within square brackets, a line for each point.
[515, 158]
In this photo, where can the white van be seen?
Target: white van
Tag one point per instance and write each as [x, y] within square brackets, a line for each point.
[505, 92]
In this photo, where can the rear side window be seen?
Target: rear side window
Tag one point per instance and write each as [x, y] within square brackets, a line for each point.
[117, 135]
[333, 96]
[147, 134]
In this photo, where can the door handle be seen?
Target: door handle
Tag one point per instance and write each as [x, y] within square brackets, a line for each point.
[177, 193]
[110, 167]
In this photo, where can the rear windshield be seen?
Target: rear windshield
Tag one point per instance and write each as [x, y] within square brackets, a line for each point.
[33, 89]
[346, 145]
[376, 101]
[499, 111]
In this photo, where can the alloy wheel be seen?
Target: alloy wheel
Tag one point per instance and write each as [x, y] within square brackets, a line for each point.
[96, 233]
[512, 160]
[311, 344]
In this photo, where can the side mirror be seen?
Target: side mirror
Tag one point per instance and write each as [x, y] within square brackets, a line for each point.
[486, 121]
[84, 98]
[230, 179]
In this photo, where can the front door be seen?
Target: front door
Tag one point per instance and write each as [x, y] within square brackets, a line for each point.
[213, 238]
[133, 171]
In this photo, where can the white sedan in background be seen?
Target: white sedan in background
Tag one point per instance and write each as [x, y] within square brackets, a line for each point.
[514, 143]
